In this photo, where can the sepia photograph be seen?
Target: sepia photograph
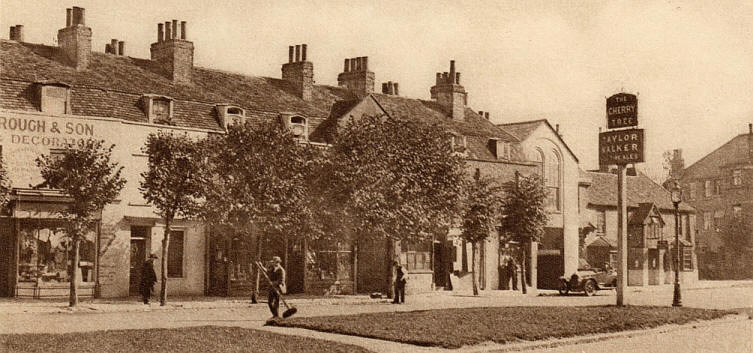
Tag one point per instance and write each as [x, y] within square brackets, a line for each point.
[185, 176]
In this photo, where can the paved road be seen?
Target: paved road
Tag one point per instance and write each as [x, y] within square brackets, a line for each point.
[736, 336]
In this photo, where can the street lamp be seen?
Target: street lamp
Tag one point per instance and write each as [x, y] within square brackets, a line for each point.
[676, 198]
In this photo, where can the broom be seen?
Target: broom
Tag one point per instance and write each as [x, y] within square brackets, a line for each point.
[290, 310]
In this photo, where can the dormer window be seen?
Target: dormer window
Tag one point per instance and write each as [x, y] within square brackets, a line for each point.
[54, 97]
[158, 109]
[228, 114]
[297, 125]
[500, 149]
[459, 144]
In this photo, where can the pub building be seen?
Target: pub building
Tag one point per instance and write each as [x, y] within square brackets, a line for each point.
[55, 95]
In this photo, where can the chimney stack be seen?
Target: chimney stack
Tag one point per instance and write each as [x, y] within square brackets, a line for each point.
[299, 71]
[172, 51]
[358, 78]
[17, 33]
[449, 93]
[75, 40]
[121, 48]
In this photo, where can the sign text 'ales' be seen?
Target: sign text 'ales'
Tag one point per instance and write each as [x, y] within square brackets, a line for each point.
[621, 147]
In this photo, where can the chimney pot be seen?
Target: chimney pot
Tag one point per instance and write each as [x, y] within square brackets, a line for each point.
[486, 115]
[394, 86]
[17, 33]
[108, 48]
[12, 35]
[303, 52]
[160, 32]
[452, 69]
[168, 30]
[290, 53]
[352, 64]
[445, 75]
[457, 78]
[68, 17]
[114, 45]
[121, 48]
[439, 77]
[359, 63]
[297, 53]
[481, 112]
[365, 63]
[385, 90]
[346, 65]
[183, 33]
[175, 29]
[750, 128]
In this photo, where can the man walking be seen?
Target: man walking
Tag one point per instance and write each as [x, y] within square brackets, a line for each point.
[512, 272]
[399, 297]
[148, 278]
[277, 286]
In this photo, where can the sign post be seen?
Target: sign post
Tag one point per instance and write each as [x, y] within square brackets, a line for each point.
[622, 145]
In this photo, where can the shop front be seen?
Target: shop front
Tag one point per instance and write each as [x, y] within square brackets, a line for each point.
[38, 248]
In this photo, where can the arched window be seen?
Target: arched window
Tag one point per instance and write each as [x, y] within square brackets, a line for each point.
[552, 179]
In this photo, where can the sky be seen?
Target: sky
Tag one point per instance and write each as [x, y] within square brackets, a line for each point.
[690, 62]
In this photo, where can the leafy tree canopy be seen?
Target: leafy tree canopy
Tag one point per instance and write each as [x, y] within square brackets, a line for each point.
[398, 178]
[481, 209]
[86, 173]
[524, 214]
[5, 187]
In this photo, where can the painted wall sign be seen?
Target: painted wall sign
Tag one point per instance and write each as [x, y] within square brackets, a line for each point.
[622, 111]
[621, 147]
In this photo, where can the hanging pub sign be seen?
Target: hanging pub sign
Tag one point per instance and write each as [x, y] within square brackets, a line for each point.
[621, 147]
[622, 111]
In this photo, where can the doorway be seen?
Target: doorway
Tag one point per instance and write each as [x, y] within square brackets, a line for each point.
[139, 236]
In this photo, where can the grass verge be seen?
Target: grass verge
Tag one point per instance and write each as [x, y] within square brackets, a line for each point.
[454, 328]
[185, 340]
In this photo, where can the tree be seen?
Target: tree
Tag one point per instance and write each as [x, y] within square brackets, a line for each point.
[737, 247]
[86, 174]
[259, 175]
[524, 214]
[480, 215]
[396, 179]
[172, 184]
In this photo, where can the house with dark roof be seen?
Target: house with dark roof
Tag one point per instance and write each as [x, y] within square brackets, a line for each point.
[54, 96]
[558, 249]
[720, 187]
[651, 229]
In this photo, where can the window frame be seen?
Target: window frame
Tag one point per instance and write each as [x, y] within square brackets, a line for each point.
[737, 177]
[171, 254]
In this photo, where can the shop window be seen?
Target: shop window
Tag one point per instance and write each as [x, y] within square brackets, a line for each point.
[175, 255]
[418, 256]
[45, 253]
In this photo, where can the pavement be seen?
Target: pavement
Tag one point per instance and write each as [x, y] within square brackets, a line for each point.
[731, 334]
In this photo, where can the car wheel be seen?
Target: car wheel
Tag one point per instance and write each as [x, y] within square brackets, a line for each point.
[563, 288]
[589, 288]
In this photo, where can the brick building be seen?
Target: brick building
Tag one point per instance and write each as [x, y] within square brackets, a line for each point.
[51, 96]
[651, 229]
[720, 187]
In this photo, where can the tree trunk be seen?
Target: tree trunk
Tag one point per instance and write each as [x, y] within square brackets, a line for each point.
[523, 265]
[73, 298]
[257, 278]
[163, 275]
[391, 268]
[474, 276]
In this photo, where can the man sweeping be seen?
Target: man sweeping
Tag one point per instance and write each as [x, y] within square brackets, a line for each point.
[276, 286]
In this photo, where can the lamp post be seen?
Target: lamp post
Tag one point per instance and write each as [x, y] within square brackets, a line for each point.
[676, 198]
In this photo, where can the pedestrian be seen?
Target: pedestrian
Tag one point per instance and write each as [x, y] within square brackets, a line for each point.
[276, 286]
[512, 272]
[400, 281]
[148, 278]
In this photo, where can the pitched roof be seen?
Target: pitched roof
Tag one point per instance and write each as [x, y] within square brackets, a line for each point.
[602, 242]
[645, 209]
[112, 86]
[524, 129]
[640, 189]
[735, 151]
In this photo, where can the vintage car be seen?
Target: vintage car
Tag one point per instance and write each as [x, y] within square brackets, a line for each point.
[588, 281]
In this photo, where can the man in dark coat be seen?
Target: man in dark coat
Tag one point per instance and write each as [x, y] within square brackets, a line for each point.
[512, 272]
[277, 286]
[148, 278]
[399, 297]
